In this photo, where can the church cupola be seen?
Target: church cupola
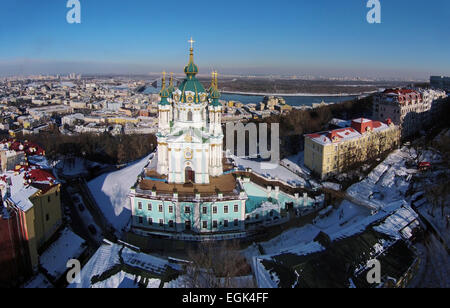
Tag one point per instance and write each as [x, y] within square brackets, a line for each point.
[191, 69]
[192, 90]
[214, 93]
[171, 88]
[164, 94]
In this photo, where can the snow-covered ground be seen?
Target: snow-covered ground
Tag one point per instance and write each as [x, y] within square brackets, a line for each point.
[75, 166]
[67, 246]
[279, 172]
[111, 190]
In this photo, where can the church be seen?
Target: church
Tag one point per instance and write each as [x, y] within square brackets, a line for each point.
[190, 137]
[190, 186]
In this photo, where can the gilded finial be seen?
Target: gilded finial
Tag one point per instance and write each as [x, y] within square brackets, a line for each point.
[163, 80]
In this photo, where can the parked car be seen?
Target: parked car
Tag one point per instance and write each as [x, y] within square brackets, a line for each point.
[81, 207]
[92, 229]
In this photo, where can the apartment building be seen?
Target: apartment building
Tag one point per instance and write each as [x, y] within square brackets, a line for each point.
[331, 152]
[408, 108]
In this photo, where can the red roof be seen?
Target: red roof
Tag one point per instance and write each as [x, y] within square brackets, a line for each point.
[39, 175]
[424, 164]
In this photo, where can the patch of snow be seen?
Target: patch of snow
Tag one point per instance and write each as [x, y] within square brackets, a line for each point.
[67, 246]
[278, 171]
[111, 192]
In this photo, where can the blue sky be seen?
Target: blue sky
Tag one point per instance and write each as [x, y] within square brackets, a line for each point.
[321, 37]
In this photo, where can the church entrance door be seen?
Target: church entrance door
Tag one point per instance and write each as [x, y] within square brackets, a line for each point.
[189, 175]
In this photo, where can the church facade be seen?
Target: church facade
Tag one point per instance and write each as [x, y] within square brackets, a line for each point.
[190, 136]
[189, 191]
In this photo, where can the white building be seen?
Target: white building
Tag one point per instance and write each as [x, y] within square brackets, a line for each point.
[190, 136]
[410, 109]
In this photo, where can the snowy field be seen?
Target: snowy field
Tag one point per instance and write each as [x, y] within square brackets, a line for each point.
[111, 190]
[67, 246]
[75, 166]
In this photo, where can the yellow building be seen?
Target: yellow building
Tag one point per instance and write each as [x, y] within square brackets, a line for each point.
[38, 205]
[122, 120]
[331, 152]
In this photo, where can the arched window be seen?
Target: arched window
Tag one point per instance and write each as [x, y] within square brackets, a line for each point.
[189, 117]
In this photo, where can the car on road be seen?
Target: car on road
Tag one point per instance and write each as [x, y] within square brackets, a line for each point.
[81, 207]
[92, 229]
[76, 199]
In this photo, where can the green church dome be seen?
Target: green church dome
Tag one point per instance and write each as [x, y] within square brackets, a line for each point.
[192, 90]
[164, 94]
[214, 93]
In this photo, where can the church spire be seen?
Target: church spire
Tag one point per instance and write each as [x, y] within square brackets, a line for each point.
[191, 69]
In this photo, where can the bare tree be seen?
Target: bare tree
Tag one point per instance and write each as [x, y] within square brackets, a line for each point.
[217, 265]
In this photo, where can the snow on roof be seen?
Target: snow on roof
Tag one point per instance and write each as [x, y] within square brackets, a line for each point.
[123, 280]
[110, 255]
[265, 207]
[67, 246]
[397, 221]
[24, 183]
[361, 120]
[105, 258]
[347, 133]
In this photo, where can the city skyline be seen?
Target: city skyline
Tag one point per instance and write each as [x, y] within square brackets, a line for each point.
[319, 39]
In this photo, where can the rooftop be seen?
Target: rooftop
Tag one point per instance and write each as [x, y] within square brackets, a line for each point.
[358, 127]
[225, 184]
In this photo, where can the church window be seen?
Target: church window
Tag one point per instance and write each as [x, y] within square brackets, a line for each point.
[236, 222]
[205, 210]
[140, 205]
[150, 221]
[187, 209]
[161, 223]
[170, 223]
[215, 224]
[236, 208]
[225, 209]
[214, 209]
[225, 223]
[149, 207]
[160, 208]
[140, 219]
[189, 116]
[170, 209]
[205, 225]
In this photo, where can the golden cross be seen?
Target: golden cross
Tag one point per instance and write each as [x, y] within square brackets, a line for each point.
[191, 41]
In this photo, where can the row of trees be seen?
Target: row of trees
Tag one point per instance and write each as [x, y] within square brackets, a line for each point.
[103, 148]
[299, 122]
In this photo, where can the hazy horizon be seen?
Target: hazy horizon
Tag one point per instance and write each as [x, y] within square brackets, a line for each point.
[328, 39]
